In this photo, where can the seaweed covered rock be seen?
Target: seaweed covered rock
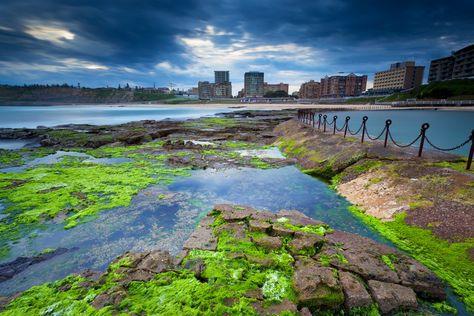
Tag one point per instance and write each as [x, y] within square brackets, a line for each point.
[243, 261]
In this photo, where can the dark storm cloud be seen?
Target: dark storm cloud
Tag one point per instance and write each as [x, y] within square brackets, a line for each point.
[117, 40]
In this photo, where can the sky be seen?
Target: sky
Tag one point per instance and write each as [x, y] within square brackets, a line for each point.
[106, 43]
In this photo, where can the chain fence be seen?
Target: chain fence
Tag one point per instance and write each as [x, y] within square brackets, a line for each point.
[308, 117]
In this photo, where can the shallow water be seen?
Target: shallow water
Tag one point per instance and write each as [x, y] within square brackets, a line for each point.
[18, 143]
[447, 128]
[272, 153]
[164, 216]
[58, 156]
[33, 116]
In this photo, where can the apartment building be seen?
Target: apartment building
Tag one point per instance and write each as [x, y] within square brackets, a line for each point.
[460, 65]
[310, 90]
[253, 84]
[340, 86]
[401, 76]
[269, 87]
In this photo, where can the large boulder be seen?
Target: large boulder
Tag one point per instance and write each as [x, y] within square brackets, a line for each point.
[392, 297]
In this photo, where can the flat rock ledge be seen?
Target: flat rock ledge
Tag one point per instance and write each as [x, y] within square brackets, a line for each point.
[264, 263]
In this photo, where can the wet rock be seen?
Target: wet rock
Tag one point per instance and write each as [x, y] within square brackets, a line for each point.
[297, 218]
[282, 231]
[10, 269]
[392, 297]
[416, 276]
[305, 242]
[256, 294]
[305, 312]
[262, 215]
[354, 291]
[234, 213]
[316, 286]
[235, 229]
[275, 309]
[259, 226]
[197, 266]
[268, 242]
[202, 237]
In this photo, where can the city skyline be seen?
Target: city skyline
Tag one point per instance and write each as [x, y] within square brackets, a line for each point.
[56, 42]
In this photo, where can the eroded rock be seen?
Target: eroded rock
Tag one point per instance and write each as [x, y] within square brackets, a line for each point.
[392, 297]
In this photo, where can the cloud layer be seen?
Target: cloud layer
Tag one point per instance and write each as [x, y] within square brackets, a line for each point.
[101, 42]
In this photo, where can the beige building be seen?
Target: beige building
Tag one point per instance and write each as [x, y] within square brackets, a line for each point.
[400, 76]
[310, 90]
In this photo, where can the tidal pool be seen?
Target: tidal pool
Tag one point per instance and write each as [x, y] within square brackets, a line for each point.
[164, 216]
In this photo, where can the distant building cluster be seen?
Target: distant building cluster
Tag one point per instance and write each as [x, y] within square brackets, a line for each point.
[220, 88]
[336, 86]
[460, 65]
[400, 76]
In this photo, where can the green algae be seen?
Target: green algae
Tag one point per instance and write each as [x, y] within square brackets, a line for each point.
[388, 260]
[450, 261]
[211, 122]
[10, 158]
[326, 260]
[76, 191]
[445, 308]
[320, 230]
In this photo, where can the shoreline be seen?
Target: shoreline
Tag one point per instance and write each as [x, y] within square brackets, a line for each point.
[256, 106]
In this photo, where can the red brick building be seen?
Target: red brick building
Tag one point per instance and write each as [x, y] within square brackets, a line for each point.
[340, 86]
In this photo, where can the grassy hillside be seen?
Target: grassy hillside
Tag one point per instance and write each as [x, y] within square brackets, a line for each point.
[67, 94]
[460, 89]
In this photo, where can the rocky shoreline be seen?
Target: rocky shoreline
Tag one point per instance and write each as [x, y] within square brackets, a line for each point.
[253, 262]
[424, 205]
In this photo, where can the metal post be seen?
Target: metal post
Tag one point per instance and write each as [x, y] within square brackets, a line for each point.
[324, 121]
[424, 127]
[314, 114]
[387, 127]
[471, 152]
[364, 120]
[319, 121]
[334, 120]
[347, 125]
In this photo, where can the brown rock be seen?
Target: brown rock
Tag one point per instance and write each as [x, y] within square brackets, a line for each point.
[416, 276]
[305, 312]
[392, 297]
[269, 242]
[259, 226]
[236, 229]
[305, 242]
[234, 212]
[202, 237]
[101, 300]
[280, 230]
[264, 216]
[316, 285]
[274, 309]
[354, 291]
[297, 218]
[255, 293]
[156, 261]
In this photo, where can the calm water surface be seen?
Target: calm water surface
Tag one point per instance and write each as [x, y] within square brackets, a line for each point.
[33, 116]
[447, 128]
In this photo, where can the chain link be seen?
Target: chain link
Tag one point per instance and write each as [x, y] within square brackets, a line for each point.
[403, 146]
[350, 132]
[380, 135]
[448, 149]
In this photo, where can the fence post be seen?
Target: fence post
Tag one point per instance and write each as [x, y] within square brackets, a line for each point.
[319, 121]
[424, 127]
[471, 152]
[324, 123]
[364, 120]
[387, 127]
[334, 120]
[347, 125]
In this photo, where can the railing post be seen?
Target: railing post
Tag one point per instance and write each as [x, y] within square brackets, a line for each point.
[471, 152]
[364, 120]
[334, 120]
[347, 125]
[314, 114]
[319, 121]
[324, 123]
[424, 127]
[387, 127]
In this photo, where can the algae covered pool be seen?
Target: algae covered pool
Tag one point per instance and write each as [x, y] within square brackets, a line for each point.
[163, 216]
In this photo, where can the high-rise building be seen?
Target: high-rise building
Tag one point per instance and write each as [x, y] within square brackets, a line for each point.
[340, 86]
[400, 76]
[205, 90]
[253, 84]
[460, 65]
[269, 87]
[310, 90]
[223, 90]
[221, 76]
